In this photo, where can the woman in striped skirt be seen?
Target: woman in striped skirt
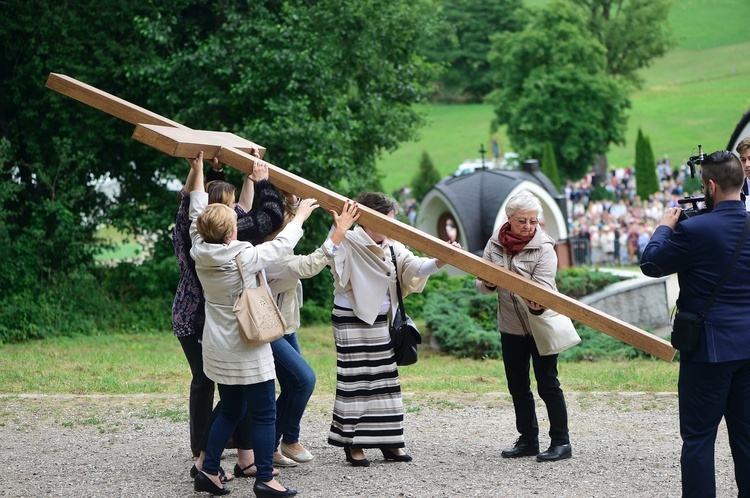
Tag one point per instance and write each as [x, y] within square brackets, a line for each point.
[368, 411]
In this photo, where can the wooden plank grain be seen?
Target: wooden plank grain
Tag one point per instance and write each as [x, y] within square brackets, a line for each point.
[106, 102]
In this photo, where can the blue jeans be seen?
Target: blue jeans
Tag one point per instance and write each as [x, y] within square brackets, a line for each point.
[235, 400]
[297, 382]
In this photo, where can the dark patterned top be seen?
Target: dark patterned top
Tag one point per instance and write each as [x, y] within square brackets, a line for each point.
[188, 312]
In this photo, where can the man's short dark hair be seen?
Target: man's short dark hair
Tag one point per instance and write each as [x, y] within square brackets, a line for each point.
[724, 169]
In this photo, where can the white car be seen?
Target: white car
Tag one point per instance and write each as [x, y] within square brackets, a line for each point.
[471, 165]
[508, 161]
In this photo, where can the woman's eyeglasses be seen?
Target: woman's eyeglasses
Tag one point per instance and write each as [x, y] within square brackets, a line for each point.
[525, 222]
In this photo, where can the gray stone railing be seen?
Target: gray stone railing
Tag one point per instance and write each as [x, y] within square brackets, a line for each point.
[640, 301]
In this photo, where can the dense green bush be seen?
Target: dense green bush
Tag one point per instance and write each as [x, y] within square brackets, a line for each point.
[438, 283]
[465, 322]
[79, 304]
[127, 297]
[313, 313]
[576, 281]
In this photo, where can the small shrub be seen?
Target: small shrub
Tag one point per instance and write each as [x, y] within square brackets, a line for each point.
[105, 300]
[438, 283]
[314, 314]
[577, 282]
[600, 193]
[464, 321]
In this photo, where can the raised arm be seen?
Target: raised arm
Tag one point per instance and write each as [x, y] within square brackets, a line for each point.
[247, 195]
[195, 177]
[216, 172]
[255, 226]
[344, 221]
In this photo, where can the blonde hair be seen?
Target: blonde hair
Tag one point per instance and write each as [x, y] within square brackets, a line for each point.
[216, 223]
[220, 192]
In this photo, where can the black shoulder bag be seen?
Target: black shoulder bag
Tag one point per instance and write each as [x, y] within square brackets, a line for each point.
[404, 334]
[688, 326]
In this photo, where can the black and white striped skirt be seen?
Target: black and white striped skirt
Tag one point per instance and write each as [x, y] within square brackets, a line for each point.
[368, 411]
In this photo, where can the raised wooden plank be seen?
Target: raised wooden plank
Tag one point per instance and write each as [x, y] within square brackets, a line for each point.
[435, 247]
[186, 142]
[118, 107]
[388, 226]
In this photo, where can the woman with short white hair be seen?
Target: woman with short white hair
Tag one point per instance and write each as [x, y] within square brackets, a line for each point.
[522, 247]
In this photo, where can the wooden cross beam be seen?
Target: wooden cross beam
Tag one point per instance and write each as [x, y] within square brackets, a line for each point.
[178, 140]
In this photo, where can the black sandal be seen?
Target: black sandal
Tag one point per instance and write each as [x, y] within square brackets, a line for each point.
[240, 472]
[222, 475]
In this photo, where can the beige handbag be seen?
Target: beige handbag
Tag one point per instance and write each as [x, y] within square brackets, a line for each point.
[553, 333]
[258, 318]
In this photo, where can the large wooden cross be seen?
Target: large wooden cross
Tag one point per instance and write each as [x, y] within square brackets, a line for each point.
[178, 140]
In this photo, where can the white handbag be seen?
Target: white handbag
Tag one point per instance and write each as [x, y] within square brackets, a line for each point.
[553, 333]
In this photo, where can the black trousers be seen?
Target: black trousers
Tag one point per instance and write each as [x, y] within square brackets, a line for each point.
[519, 352]
[708, 392]
[201, 390]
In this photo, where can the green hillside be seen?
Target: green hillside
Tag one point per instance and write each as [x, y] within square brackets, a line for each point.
[695, 95]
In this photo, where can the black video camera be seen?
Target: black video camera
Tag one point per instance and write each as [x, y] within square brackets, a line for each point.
[693, 209]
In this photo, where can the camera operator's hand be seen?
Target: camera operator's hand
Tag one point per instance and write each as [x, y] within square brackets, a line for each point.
[670, 217]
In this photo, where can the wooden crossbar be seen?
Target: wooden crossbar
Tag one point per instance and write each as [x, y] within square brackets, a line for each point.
[180, 141]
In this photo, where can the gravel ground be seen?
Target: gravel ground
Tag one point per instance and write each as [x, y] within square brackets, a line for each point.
[624, 444]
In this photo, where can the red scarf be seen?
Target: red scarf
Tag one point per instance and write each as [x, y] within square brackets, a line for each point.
[511, 242]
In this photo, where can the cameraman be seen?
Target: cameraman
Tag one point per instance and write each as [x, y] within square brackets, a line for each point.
[714, 381]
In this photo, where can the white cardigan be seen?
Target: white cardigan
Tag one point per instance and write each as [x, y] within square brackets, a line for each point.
[284, 280]
[226, 359]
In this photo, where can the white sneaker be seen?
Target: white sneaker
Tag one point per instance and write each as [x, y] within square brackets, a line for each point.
[282, 461]
[303, 456]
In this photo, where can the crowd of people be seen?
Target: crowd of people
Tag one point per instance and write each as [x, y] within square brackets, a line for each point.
[616, 231]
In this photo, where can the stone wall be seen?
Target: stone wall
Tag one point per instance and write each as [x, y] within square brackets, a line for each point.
[640, 301]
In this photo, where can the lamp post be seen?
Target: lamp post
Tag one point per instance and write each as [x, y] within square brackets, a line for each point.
[482, 151]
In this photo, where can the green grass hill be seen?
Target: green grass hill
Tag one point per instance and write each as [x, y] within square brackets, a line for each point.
[696, 94]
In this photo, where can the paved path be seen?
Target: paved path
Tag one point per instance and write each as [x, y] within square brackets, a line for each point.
[625, 444]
